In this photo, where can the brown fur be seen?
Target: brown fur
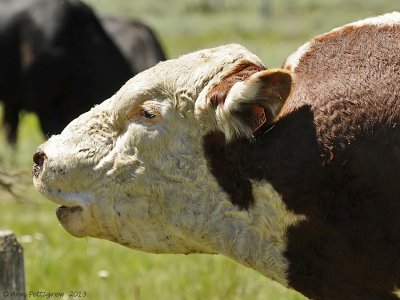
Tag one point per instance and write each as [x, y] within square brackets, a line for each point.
[334, 156]
[227, 170]
[217, 95]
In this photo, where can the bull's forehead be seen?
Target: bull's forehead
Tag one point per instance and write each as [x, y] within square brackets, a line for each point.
[190, 73]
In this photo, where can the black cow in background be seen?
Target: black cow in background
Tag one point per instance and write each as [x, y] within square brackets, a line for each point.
[136, 41]
[55, 60]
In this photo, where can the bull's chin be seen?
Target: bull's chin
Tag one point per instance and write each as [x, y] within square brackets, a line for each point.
[71, 219]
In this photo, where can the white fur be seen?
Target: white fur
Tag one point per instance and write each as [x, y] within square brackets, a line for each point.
[293, 60]
[233, 127]
[388, 19]
[147, 185]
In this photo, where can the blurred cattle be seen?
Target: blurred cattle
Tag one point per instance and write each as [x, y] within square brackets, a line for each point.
[137, 42]
[55, 60]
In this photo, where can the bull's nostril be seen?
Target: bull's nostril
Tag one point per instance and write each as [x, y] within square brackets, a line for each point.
[38, 158]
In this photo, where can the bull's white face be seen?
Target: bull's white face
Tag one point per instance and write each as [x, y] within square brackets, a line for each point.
[133, 170]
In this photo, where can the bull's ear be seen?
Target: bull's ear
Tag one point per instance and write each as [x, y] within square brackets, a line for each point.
[252, 104]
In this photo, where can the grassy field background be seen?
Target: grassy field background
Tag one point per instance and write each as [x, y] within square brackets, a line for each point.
[57, 262]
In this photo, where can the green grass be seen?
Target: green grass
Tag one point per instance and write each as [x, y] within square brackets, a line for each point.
[55, 261]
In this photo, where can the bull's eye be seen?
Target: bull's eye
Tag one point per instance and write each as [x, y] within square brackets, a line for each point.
[148, 114]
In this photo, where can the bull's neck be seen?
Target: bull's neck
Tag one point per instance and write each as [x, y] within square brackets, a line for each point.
[256, 237]
[266, 180]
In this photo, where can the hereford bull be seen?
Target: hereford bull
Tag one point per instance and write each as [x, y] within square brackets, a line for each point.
[293, 172]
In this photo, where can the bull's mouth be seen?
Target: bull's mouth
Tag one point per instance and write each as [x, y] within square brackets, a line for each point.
[72, 212]
[70, 203]
[56, 195]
